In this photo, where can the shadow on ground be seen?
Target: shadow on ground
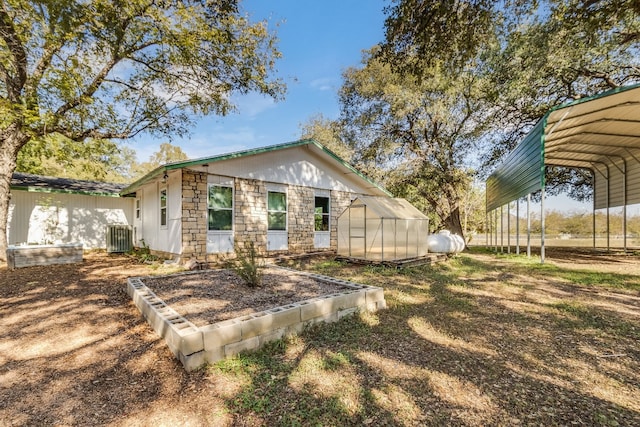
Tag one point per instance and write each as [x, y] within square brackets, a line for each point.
[478, 340]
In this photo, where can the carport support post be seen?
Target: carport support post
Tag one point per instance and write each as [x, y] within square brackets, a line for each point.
[487, 229]
[529, 225]
[624, 205]
[608, 202]
[593, 212]
[495, 221]
[502, 229]
[509, 227]
[382, 239]
[518, 227]
[542, 230]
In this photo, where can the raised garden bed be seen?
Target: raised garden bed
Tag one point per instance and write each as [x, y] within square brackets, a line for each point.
[207, 316]
[30, 255]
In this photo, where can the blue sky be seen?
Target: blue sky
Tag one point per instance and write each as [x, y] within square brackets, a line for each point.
[318, 40]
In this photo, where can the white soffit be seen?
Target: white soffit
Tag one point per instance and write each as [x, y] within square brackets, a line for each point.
[601, 133]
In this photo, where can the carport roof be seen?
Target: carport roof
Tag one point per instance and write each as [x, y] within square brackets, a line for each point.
[600, 133]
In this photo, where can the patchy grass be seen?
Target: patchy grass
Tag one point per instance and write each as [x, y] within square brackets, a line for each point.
[478, 340]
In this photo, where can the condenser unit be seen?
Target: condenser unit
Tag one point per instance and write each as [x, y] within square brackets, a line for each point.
[119, 238]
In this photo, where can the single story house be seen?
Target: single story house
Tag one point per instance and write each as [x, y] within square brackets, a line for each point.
[48, 210]
[283, 198]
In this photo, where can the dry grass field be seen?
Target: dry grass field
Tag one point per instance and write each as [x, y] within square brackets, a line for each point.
[476, 340]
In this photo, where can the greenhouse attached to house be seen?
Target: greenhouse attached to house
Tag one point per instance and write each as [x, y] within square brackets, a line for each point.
[380, 229]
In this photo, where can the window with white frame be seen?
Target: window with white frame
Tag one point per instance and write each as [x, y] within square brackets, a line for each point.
[321, 215]
[277, 211]
[163, 207]
[137, 208]
[220, 202]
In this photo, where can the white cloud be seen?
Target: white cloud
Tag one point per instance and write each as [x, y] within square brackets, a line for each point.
[252, 104]
[219, 141]
[322, 84]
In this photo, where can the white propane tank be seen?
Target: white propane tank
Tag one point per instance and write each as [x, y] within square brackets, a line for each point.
[445, 242]
[458, 242]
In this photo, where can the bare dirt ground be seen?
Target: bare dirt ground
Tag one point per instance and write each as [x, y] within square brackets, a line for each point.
[74, 350]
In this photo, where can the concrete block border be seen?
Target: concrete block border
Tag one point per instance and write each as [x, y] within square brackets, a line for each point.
[195, 346]
[30, 255]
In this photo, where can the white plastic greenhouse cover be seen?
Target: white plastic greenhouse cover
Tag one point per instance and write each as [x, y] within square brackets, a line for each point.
[382, 229]
[388, 208]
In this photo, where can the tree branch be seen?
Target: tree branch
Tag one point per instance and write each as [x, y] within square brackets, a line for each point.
[10, 37]
[600, 75]
[50, 49]
[90, 90]
[4, 75]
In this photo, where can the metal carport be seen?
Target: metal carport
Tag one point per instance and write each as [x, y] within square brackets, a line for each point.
[600, 133]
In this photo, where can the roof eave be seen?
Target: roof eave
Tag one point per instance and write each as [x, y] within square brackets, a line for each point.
[63, 191]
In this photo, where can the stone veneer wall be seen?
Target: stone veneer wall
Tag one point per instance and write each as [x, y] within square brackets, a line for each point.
[194, 215]
[301, 209]
[250, 213]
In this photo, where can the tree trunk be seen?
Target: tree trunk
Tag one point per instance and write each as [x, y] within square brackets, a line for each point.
[12, 139]
[453, 224]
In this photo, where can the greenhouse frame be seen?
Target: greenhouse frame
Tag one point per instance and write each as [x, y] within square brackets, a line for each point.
[599, 133]
[380, 229]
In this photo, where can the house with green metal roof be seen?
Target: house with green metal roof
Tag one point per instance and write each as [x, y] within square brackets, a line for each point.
[284, 198]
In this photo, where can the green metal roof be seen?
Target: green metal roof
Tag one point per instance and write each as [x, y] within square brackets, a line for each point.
[161, 170]
[600, 133]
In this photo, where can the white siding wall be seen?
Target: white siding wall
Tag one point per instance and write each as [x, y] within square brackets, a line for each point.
[296, 166]
[616, 185]
[161, 238]
[36, 217]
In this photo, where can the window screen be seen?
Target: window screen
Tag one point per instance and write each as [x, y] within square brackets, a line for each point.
[220, 203]
[321, 217]
[277, 210]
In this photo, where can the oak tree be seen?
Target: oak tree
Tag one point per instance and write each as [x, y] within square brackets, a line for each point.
[415, 135]
[109, 69]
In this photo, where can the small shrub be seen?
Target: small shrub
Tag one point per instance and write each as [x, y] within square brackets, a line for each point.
[247, 264]
[143, 253]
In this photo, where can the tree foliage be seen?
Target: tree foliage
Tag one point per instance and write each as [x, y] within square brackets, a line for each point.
[532, 56]
[573, 50]
[415, 135]
[105, 69]
[166, 153]
[97, 160]
[328, 133]
[94, 160]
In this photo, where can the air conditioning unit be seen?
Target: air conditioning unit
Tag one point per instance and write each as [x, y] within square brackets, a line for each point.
[119, 238]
